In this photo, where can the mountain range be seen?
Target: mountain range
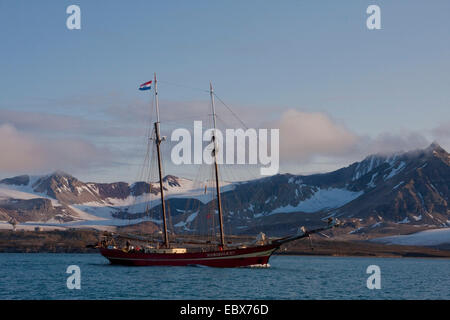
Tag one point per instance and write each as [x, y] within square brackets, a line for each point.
[390, 194]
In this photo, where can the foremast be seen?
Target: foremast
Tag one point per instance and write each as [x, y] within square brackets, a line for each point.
[158, 149]
[216, 167]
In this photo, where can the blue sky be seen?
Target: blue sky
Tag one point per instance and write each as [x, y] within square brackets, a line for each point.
[309, 56]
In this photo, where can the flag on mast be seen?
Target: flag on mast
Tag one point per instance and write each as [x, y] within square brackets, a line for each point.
[146, 86]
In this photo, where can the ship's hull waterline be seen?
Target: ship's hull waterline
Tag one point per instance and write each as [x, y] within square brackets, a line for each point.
[228, 258]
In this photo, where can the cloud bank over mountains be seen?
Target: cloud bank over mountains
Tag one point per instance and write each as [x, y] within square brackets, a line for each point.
[33, 141]
[22, 151]
[304, 135]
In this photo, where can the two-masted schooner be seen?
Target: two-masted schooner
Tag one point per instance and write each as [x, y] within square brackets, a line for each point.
[221, 255]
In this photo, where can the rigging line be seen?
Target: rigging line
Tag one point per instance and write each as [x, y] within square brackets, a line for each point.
[232, 112]
[183, 86]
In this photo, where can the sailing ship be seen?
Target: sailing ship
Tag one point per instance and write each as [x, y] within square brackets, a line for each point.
[222, 254]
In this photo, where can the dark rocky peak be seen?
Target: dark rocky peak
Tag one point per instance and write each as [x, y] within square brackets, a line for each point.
[388, 161]
[370, 163]
[435, 147]
[172, 181]
[432, 152]
[59, 173]
[119, 190]
[59, 178]
[437, 151]
[56, 182]
[140, 188]
[18, 181]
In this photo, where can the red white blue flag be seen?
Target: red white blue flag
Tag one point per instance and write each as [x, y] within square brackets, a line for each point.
[146, 86]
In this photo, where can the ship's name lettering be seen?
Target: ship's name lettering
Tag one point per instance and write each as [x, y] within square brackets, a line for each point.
[229, 253]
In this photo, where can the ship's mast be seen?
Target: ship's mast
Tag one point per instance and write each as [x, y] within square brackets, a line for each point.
[219, 203]
[158, 149]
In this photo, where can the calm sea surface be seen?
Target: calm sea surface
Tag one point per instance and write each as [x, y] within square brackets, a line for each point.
[43, 276]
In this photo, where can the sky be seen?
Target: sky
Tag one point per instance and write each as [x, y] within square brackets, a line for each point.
[336, 90]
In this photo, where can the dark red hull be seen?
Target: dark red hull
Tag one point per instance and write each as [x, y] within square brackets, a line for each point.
[228, 258]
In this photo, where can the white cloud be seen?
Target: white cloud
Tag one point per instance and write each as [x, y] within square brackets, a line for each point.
[22, 152]
[37, 141]
[387, 143]
[304, 135]
[42, 122]
[442, 134]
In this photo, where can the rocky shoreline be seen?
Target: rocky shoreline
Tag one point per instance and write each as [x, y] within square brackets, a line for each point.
[75, 241]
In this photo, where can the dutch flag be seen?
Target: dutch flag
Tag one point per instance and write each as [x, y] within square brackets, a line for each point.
[146, 86]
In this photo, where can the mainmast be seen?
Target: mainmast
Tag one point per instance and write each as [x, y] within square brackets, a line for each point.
[219, 203]
[158, 149]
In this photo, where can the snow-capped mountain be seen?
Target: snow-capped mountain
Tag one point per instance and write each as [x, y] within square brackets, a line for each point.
[404, 188]
[412, 187]
[42, 198]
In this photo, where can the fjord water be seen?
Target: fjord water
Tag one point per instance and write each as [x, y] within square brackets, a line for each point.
[43, 276]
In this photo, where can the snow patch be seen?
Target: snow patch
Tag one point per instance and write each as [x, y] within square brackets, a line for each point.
[423, 238]
[406, 220]
[395, 171]
[320, 200]
[376, 225]
[356, 230]
[371, 184]
[398, 185]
